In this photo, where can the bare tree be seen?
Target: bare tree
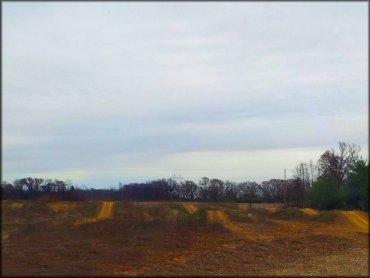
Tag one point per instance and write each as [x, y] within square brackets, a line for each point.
[339, 164]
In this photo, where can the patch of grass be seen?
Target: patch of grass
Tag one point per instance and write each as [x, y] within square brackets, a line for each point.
[160, 211]
[290, 212]
[91, 209]
[260, 211]
[238, 215]
[327, 216]
[199, 217]
[183, 213]
[118, 208]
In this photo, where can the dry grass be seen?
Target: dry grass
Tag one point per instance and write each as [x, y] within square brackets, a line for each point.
[61, 206]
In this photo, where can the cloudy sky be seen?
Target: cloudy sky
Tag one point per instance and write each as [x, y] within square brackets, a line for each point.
[106, 92]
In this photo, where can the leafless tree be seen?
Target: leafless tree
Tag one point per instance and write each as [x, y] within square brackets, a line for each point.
[339, 164]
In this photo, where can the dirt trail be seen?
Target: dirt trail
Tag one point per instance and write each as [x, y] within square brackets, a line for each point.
[358, 219]
[217, 216]
[191, 208]
[106, 211]
[310, 211]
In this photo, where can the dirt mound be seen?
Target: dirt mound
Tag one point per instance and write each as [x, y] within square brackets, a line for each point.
[217, 216]
[106, 211]
[310, 211]
[240, 230]
[191, 208]
[234, 242]
[358, 219]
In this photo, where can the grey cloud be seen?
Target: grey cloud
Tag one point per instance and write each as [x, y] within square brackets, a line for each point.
[90, 86]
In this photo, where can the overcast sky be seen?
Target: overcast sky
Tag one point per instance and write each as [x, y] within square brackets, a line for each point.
[106, 92]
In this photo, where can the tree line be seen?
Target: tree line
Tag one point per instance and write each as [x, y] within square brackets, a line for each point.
[338, 180]
[207, 189]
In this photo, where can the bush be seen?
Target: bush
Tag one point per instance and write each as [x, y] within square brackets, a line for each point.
[356, 188]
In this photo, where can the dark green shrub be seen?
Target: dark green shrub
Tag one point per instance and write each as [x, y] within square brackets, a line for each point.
[326, 194]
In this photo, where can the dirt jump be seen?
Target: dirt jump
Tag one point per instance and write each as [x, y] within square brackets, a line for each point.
[310, 211]
[238, 229]
[358, 219]
[106, 211]
[217, 216]
[191, 208]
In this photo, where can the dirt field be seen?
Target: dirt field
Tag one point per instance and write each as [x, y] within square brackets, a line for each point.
[180, 239]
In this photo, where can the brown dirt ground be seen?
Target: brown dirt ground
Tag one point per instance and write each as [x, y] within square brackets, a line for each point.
[47, 243]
